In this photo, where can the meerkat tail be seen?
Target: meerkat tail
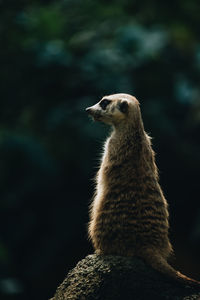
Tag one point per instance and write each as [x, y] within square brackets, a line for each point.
[160, 264]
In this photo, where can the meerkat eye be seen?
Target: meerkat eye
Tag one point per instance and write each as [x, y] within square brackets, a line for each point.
[123, 106]
[104, 103]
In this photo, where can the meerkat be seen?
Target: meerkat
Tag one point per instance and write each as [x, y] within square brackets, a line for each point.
[129, 213]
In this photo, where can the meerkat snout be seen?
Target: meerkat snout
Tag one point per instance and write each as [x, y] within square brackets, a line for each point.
[94, 111]
[88, 110]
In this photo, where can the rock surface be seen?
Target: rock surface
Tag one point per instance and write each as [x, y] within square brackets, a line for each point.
[110, 277]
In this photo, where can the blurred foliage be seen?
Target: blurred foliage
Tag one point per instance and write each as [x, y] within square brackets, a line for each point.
[57, 58]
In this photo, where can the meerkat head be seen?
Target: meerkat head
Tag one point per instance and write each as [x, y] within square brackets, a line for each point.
[114, 109]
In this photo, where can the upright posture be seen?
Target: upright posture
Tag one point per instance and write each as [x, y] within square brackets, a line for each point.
[129, 214]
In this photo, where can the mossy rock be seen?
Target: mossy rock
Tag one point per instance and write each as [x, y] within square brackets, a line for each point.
[98, 277]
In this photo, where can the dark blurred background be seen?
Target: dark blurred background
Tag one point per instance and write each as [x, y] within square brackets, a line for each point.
[57, 58]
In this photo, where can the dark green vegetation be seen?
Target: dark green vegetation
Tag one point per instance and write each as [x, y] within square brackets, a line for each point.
[56, 58]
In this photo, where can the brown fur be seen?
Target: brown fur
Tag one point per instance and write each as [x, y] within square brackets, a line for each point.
[129, 213]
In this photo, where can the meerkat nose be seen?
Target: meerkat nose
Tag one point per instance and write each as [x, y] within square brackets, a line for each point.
[88, 110]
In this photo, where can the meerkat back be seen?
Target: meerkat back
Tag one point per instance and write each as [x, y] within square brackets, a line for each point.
[129, 213]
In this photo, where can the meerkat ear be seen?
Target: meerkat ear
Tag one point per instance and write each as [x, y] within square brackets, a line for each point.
[123, 106]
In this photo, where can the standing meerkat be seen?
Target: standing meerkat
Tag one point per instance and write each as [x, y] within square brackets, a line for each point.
[129, 213]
